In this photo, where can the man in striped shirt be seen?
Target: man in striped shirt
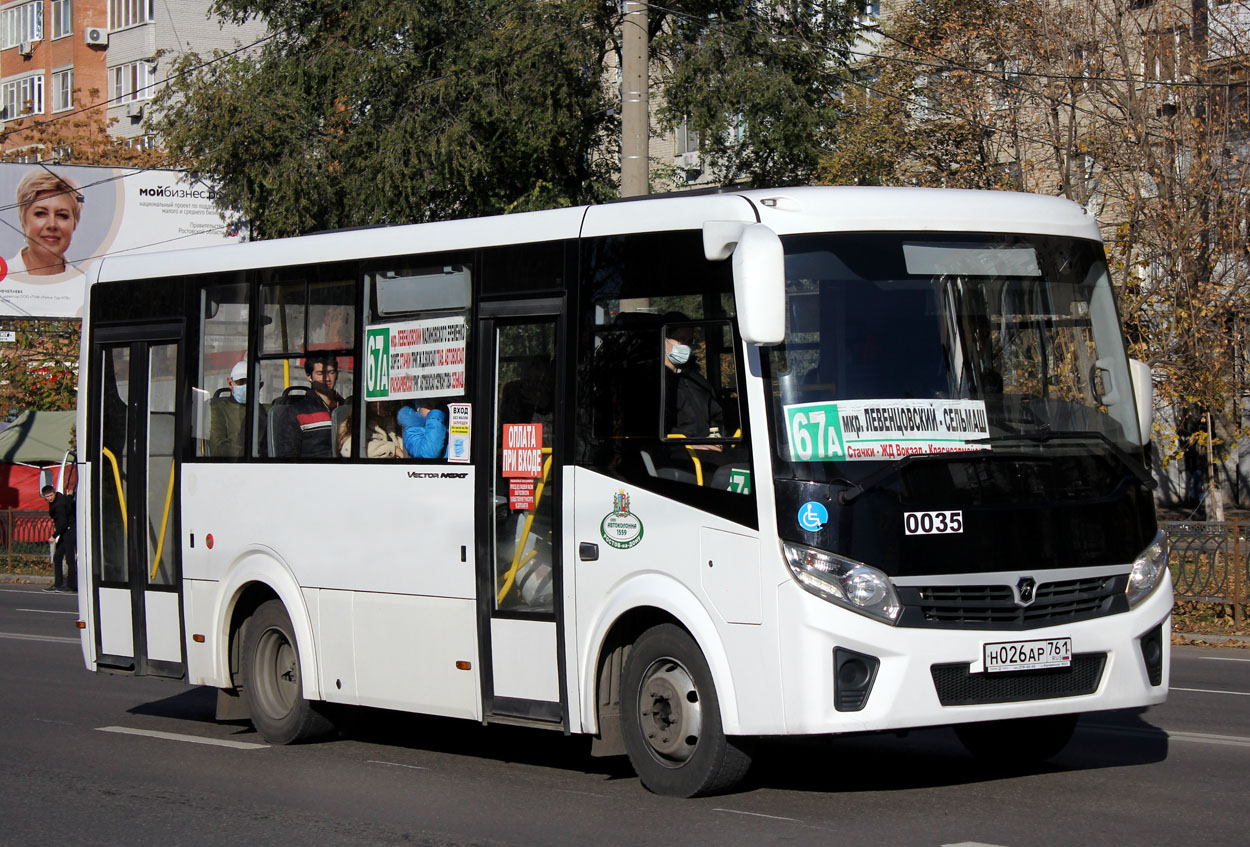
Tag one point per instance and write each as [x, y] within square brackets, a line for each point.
[305, 429]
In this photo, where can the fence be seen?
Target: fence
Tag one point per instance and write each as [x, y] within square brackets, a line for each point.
[1211, 563]
[25, 532]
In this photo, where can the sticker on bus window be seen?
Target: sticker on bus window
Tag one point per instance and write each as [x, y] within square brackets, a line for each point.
[522, 450]
[459, 431]
[852, 430]
[412, 359]
[621, 528]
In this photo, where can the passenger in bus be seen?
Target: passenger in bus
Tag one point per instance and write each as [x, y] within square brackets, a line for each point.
[691, 408]
[225, 428]
[425, 430]
[384, 440]
[306, 430]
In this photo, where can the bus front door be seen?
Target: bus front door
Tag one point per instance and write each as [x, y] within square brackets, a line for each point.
[135, 555]
[519, 575]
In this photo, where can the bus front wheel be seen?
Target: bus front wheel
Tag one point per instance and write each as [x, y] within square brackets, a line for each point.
[671, 721]
[272, 687]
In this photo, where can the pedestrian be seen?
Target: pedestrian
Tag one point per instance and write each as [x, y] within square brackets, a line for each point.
[64, 558]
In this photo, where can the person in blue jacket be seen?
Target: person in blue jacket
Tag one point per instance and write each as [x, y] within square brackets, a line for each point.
[425, 431]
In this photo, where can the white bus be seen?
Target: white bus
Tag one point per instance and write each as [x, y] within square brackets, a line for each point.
[704, 469]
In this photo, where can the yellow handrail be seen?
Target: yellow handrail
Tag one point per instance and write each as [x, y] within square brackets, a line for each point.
[517, 561]
[698, 466]
[117, 477]
[160, 544]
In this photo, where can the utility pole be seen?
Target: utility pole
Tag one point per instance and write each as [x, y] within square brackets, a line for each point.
[635, 110]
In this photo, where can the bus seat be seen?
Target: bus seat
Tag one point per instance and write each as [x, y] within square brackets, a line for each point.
[278, 412]
[720, 479]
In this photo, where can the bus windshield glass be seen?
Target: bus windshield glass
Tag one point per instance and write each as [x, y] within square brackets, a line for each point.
[925, 345]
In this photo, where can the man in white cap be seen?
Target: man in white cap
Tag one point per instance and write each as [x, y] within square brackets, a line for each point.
[225, 429]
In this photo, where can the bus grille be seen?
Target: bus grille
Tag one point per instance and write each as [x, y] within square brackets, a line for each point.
[994, 606]
[956, 686]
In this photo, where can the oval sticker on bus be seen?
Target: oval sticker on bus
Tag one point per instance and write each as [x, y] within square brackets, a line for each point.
[932, 523]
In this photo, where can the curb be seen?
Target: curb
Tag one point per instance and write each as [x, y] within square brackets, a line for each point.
[24, 579]
[1210, 639]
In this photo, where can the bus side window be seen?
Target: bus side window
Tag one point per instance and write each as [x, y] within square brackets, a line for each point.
[220, 393]
[307, 362]
[416, 343]
[658, 398]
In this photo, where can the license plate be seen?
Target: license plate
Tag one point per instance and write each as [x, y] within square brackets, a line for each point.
[1028, 655]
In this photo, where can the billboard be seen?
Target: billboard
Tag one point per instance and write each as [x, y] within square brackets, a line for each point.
[49, 236]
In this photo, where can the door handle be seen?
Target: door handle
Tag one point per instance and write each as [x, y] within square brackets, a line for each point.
[588, 551]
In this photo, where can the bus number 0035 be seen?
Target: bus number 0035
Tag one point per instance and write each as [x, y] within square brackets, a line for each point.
[932, 523]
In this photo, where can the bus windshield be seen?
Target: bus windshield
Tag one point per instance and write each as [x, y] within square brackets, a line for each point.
[924, 345]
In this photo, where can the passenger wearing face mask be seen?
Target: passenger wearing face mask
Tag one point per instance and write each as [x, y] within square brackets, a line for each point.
[691, 407]
[229, 413]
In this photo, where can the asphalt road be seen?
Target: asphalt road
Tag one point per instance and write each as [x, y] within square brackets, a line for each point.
[96, 759]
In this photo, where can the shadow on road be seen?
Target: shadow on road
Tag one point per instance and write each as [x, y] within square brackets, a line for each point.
[925, 758]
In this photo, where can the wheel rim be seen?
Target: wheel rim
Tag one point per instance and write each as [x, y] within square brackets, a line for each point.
[277, 673]
[670, 712]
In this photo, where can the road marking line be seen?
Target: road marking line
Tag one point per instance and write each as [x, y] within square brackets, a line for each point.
[58, 639]
[1175, 735]
[192, 739]
[1222, 659]
[971, 844]
[47, 611]
[1210, 691]
[397, 765]
[757, 815]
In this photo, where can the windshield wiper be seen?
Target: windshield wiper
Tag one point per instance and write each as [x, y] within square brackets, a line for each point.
[1040, 435]
[876, 478]
[1045, 433]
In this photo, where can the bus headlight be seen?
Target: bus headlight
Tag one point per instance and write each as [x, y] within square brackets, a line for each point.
[1148, 568]
[847, 583]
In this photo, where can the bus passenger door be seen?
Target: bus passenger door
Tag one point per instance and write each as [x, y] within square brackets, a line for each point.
[135, 555]
[519, 574]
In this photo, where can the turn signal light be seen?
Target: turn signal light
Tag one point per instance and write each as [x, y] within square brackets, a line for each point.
[464, 666]
[197, 638]
[81, 624]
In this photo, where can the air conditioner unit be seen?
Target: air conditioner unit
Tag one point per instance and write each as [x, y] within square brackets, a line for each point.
[26, 48]
[134, 110]
[96, 36]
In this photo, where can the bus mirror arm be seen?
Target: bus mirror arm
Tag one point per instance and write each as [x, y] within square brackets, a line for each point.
[759, 271]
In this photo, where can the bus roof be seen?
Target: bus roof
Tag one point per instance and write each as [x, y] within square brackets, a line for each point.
[786, 210]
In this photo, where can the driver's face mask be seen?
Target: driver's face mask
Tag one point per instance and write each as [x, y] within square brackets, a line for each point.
[679, 354]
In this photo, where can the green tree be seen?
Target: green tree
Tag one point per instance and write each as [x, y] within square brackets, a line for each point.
[383, 111]
[758, 81]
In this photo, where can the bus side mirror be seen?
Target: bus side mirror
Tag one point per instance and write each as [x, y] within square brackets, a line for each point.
[1143, 390]
[759, 269]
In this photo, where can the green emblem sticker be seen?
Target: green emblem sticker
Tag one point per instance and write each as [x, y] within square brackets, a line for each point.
[621, 528]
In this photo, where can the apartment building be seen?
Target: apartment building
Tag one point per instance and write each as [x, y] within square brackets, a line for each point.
[58, 57]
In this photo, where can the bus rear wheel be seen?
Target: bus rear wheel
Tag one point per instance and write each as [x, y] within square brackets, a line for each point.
[1022, 741]
[671, 718]
[272, 688]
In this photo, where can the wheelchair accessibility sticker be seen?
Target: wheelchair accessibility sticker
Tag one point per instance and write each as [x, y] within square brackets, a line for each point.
[621, 528]
[813, 516]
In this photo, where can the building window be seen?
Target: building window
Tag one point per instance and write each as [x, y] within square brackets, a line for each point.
[22, 96]
[21, 23]
[63, 90]
[62, 18]
[124, 13]
[132, 81]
